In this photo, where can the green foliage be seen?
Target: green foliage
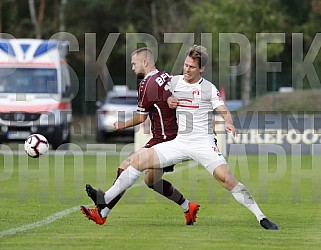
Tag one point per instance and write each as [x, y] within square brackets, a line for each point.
[244, 17]
[156, 18]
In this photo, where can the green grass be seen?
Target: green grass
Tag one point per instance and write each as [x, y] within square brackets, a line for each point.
[31, 190]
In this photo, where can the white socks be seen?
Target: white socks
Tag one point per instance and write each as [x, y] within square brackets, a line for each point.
[243, 196]
[104, 212]
[129, 176]
[185, 206]
[126, 179]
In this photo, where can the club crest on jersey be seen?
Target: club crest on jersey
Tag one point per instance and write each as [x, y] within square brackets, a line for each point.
[196, 93]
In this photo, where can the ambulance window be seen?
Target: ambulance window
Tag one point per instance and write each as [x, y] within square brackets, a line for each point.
[45, 81]
[28, 80]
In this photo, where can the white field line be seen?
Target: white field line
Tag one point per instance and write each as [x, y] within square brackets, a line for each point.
[40, 223]
[68, 211]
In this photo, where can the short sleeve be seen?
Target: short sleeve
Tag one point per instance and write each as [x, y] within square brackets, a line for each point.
[216, 98]
[173, 83]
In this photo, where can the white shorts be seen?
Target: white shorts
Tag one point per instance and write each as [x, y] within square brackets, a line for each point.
[204, 151]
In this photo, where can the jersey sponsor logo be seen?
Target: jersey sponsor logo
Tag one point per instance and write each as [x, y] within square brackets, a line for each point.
[162, 79]
[167, 87]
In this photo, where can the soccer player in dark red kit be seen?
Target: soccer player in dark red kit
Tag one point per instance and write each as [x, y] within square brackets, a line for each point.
[152, 102]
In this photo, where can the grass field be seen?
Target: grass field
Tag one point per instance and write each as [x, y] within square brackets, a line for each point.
[40, 198]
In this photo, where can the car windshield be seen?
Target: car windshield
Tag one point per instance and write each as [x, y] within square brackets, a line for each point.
[28, 80]
[131, 100]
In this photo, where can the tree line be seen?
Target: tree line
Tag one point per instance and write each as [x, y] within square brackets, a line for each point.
[221, 25]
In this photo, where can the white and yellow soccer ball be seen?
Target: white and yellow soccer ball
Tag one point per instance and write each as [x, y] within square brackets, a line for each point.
[36, 145]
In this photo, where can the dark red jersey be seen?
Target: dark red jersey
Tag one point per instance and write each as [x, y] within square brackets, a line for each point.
[152, 100]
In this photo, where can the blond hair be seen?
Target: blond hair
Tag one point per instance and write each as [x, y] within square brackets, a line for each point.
[148, 53]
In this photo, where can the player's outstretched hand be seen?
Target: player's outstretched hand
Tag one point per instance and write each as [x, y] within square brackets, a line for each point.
[119, 125]
[231, 129]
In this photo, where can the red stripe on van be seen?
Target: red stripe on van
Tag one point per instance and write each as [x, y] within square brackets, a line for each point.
[33, 108]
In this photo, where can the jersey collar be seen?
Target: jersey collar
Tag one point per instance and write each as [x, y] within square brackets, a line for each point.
[198, 82]
[151, 73]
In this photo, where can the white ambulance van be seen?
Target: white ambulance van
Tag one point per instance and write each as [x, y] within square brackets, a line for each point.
[34, 90]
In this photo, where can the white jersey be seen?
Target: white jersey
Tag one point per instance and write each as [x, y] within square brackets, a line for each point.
[196, 103]
[195, 139]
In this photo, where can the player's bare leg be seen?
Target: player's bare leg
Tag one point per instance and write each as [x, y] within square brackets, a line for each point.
[242, 195]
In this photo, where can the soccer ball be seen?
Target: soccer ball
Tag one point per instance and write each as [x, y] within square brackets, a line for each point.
[36, 145]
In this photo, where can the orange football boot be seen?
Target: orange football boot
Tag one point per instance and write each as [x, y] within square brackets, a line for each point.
[190, 215]
[93, 214]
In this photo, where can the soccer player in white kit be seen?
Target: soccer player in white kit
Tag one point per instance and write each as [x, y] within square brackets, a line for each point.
[195, 98]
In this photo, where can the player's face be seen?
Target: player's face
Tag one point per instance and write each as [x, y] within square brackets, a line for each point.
[138, 66]
[192, 72]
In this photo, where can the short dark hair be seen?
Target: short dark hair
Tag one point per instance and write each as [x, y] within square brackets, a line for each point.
[199, 53]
